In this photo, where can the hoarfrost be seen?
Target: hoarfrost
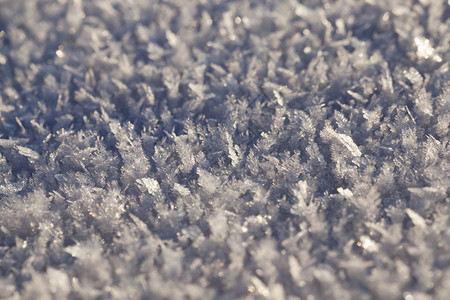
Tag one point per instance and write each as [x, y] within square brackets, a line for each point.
[224, 149]
[345, 192]
[344, 140]
[424, 50]
[416, 218]
[31, 154]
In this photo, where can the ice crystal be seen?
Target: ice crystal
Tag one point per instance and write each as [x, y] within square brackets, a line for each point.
[224, 149]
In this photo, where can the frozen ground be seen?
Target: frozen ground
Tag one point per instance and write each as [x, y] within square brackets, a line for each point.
[224, 149]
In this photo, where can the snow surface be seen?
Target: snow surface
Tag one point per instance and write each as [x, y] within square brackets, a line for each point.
[220, 149]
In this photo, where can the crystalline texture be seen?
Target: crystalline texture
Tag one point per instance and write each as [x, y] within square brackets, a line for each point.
[227, 149]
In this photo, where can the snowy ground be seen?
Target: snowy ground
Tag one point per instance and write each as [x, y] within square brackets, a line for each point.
[216, 149]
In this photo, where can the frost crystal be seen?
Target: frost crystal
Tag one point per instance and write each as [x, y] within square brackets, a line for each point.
[424, 50]
[234, 149]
